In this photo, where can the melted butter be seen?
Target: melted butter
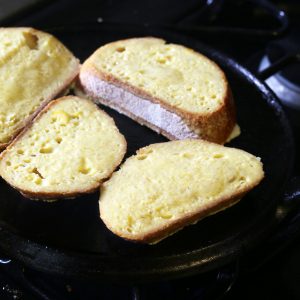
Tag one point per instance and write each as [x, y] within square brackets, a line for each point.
[235, 133]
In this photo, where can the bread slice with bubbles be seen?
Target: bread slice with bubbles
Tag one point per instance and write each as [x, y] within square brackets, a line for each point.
[170, 88]
[34, 68]
[167, 186]
[68, 150]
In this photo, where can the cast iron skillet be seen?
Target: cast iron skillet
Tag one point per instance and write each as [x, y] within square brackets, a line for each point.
[68, 238]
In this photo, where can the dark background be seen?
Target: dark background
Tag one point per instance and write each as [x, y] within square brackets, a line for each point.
[273, 270]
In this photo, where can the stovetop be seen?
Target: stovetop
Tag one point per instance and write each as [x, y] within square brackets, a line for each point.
[271, 272]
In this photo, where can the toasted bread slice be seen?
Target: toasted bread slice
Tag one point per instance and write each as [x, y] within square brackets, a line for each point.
[67, 150]
[34, 68]
[167, 87]
[167, 186]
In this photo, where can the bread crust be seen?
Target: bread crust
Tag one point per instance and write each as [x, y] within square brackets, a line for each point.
[209, 124]
[75, 193]
[56, 93]
[155, 236]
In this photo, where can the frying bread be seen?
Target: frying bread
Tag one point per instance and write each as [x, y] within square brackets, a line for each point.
[167, 186]
[67, 150]
[34, 68]
[170, 88]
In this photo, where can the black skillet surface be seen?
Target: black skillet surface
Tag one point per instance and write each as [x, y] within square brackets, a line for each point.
[67, 237]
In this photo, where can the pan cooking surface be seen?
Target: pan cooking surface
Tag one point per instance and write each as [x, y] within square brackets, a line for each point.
[70, 230]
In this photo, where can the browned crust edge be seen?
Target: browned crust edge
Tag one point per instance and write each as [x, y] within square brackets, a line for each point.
[209, 124]
[155, 236]
[47, 195]
[59, 91]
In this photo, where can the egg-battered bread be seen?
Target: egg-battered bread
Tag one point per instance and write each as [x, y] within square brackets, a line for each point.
[170, 88]
[34, 68]
[167, 186]
[69, 148]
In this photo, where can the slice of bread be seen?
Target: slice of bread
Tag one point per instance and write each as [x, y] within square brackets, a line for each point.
[34, 68]
[67, 150]
[167, 186]
[167, 87]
